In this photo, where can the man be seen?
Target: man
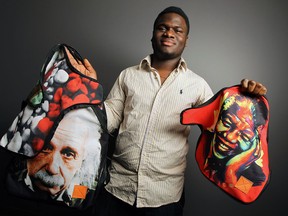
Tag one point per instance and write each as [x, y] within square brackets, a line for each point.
[236, 144]
[71, 158]
[149, 161]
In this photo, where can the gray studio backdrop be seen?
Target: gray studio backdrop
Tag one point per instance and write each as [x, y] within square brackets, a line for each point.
[229, 40]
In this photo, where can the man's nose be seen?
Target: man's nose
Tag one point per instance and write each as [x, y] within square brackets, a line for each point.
[233, 135]
[53, 166]
[169, 32]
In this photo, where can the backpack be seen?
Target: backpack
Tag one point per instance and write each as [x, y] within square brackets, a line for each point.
[59, 139]
[232, 150]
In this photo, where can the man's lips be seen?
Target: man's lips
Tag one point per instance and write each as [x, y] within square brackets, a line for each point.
[167, 42]
[223, 145]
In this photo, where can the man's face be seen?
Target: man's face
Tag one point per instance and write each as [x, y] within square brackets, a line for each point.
[235, 131]
[169, 36]
[54, 167]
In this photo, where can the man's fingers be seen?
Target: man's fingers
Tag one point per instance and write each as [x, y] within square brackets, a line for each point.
[262, 91]
[71, 58]
[76, 64]
[88, 65]
[86, 68]
[244, 83]
[256, 88]
[91, 71]
[251, 85]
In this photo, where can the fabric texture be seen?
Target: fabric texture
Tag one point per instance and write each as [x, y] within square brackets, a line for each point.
[232, 150]
[149, 161]
[59, 136]
[123, 208]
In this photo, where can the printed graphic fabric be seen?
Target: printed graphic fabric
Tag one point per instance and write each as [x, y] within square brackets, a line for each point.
[59, 136]
[59, 89]
[232, 150]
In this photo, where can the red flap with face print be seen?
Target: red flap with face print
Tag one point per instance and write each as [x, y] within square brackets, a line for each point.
[232, 150]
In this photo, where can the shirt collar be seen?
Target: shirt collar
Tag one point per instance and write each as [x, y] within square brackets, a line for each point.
[146, 64]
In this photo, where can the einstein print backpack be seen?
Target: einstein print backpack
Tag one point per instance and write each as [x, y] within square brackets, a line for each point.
[232, 150]
[59, 138]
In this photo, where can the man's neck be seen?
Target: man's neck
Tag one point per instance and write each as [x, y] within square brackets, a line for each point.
[164, 65]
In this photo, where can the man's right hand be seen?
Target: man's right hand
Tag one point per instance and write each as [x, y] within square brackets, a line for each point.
[86, 68]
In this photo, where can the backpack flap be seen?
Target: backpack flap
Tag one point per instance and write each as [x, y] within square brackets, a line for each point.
[59, 88]
[59, 137]
[232, 150]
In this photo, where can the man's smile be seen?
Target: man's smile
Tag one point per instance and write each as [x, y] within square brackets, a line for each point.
[167, 42]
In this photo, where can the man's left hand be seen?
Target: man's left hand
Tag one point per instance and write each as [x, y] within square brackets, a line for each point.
[253, 87]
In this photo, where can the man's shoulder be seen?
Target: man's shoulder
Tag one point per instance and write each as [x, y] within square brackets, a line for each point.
[129, 70]
[193, 75]
[144, 64]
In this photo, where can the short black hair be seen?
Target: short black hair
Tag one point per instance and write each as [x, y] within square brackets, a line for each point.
[174, 9]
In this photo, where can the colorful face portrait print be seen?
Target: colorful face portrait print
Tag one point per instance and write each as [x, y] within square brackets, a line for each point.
[232, 150]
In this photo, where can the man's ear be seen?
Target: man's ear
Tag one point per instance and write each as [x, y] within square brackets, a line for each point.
[187, 39]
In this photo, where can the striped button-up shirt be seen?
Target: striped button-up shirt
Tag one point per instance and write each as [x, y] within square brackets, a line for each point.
[149, 160]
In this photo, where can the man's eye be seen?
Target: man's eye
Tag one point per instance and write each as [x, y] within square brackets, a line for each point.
[69, 154]
[247, 135]
[226, 122]
[161, 28]
[47, 149]
[178, 30]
